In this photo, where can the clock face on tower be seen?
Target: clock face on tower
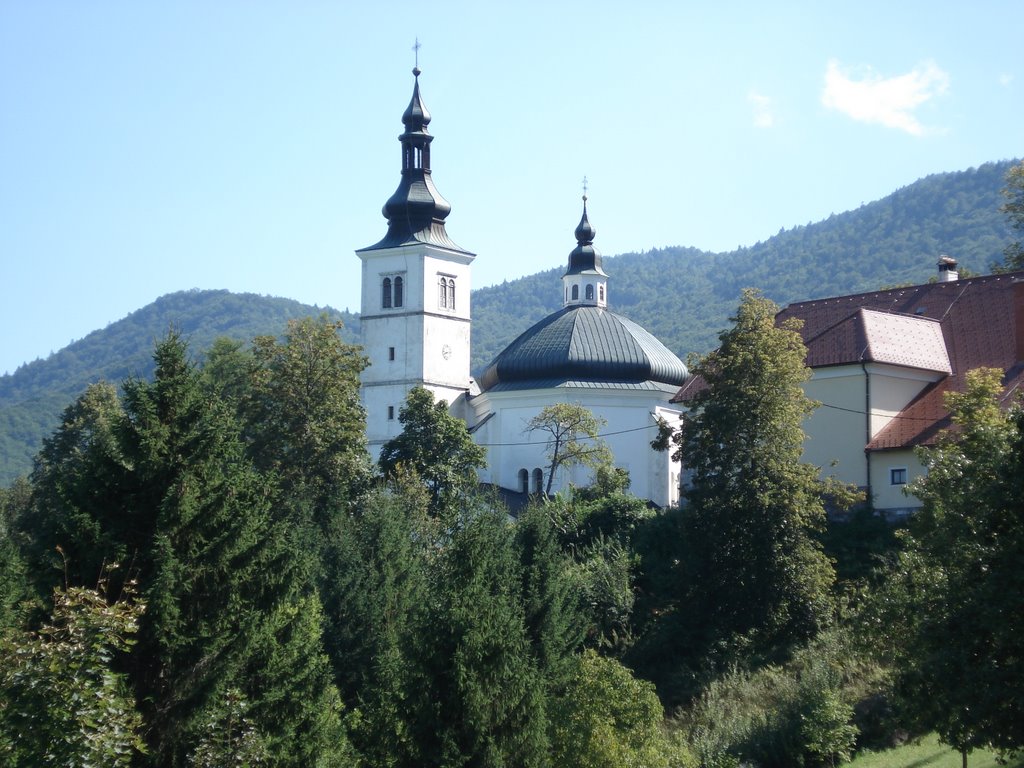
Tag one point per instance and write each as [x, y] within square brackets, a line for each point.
[446, 352]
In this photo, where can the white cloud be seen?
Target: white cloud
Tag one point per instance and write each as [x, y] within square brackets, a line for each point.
[763, 115]
[1005, 80]
[890, 101]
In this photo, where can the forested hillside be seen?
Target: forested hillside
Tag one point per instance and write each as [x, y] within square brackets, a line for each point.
[32, 398]
[682, 295]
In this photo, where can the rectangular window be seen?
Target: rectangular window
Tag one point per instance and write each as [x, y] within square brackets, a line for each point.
[898, 476]
[391, 353]
[391, 413]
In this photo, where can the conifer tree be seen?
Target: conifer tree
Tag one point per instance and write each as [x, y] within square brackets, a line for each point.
[555, 616]
[221, 578]
[480, 698]
[376, 599]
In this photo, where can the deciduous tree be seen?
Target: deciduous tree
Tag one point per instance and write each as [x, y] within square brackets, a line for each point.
[437, 448]
[950, 612]
[572, 438]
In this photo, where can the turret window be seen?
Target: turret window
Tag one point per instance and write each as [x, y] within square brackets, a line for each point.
[590, 293]
[600, 293]
[575, 293]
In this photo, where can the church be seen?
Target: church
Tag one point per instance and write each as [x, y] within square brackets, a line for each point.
[416, 325]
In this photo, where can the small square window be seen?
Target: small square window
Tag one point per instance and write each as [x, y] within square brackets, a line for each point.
[391, 413]
[391, 353]
[898, 476]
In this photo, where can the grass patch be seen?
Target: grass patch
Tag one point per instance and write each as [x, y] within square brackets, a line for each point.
[929, 753]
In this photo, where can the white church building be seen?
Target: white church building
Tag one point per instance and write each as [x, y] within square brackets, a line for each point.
[416, 328]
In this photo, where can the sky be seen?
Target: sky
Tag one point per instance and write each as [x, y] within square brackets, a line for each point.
[152, 147]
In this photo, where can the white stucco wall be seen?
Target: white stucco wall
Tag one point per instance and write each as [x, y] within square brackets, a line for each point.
[631, 425]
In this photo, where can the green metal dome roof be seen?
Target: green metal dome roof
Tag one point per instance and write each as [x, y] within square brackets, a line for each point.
[583, 346]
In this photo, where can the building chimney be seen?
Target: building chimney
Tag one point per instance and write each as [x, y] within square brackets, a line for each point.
[947, 269]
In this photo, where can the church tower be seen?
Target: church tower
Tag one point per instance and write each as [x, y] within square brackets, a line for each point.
[415, 313]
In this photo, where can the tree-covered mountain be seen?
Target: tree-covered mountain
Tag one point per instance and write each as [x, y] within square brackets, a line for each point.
[684, 296]
[32, 398]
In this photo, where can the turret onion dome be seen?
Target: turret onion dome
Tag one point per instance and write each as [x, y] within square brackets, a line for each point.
[416, 211]
[585, 346]
[585, 259]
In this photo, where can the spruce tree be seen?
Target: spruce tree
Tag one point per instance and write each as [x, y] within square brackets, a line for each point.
[224, 585]
[480, 697]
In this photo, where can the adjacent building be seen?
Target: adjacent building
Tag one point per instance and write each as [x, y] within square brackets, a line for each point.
[883, 362]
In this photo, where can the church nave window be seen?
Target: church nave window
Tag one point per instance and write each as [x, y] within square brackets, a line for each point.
[524, 481]
[538, 480]
[391, 413]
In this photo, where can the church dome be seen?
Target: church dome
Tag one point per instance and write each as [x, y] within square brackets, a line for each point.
[585, 346]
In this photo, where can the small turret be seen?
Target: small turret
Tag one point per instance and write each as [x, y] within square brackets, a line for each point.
[585, 281]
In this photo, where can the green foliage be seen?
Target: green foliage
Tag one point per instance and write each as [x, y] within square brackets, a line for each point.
[62, 702]
[480, 697]
[228, 736]
[376, 599]
[14, 579]
[763, 582]
[436, 448]
[1013, 254]
[33, 397]
[607, 719]
[78, 522]
[554, 606]
[747, 580]
[777, 717]
[571, 432]
[946, 616]
[304, 418]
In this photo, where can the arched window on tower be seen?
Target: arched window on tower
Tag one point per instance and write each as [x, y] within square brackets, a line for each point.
[442, 293]
[524, 481]
[451, 293]
[385, 293]
[600, 293]
[398, 291]
[590, 292]
[575, 293]
[538, 480]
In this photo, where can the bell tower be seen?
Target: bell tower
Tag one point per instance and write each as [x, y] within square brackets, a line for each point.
[415, 313]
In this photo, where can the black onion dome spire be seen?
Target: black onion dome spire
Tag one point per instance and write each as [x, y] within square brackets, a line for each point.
[416, 211]
[585, 259]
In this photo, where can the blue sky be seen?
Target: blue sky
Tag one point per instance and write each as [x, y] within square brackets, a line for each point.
[152, 147]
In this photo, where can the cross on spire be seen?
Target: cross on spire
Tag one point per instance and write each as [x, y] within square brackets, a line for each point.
[585, 187]
[416, 47]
